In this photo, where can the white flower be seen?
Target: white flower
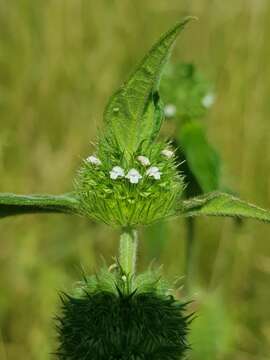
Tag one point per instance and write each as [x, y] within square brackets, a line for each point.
[208, 100]
[143, 160]
[154, 172]
[134, 176]
[167, 153]
[169, 110]
[116, 172]
[93, 160]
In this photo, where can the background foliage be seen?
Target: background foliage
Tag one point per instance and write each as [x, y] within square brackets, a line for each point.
[59, 62]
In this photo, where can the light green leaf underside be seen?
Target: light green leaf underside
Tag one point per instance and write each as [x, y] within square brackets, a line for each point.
[127, 113]
[221, 204]
[12, 204]
[202, 158]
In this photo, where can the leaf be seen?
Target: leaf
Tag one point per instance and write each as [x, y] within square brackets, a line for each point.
[184, 86]
[152, 119]
[127, 113]
[202, 158]
[12, 204]
[221, 204]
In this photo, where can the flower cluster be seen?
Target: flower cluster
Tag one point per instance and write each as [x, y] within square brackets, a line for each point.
[133, 175]
[129, 189]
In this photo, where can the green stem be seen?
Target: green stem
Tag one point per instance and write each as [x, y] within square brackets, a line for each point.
[128, 251]
[190, 237]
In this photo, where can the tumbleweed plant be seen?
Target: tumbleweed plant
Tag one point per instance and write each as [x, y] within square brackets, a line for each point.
[130, 179]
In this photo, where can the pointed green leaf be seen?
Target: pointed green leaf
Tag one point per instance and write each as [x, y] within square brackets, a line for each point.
[221, 204]
[127, 114]
[12, 204]
[202, 159]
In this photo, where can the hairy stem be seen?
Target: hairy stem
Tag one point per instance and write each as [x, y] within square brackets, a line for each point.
[128, 251]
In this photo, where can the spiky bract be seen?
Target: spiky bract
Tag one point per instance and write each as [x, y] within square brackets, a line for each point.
[119, 325]
[118, 201]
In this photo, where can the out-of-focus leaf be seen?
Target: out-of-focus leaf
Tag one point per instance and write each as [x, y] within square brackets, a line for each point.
[185, 92]
[212, 333]
[127, 113]
[12, 204]
[221, 204]
[202, 159]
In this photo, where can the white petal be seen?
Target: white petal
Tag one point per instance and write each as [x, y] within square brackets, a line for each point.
[133, 172]
[116, 172]
[113, 175]
[154, 172]
[133, 176]
[134, 180]
[143, 160]
[167, 153]
[156, 176]
[93, 160]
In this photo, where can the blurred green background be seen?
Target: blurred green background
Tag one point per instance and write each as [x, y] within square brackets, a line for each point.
[59, 62]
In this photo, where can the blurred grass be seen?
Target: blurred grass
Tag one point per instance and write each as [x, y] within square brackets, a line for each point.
[59, 62]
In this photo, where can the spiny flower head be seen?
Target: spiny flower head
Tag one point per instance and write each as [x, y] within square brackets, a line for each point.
[129, 190]
[103, 321]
